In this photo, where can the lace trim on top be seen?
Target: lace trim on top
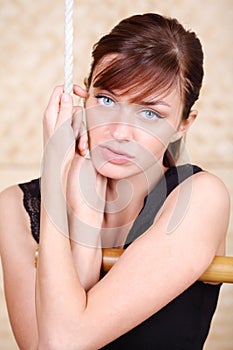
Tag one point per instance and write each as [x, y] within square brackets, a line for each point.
[31, 203]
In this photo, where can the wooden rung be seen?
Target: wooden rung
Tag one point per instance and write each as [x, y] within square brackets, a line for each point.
[219, 271]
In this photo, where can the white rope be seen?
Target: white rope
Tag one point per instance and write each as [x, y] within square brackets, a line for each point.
[68, 54]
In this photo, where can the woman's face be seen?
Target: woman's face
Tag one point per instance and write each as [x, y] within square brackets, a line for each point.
[126, 139]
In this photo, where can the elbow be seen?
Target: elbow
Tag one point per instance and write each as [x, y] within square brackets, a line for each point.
[51, 345]
[58, 346]
[59, 342]
[48, 344]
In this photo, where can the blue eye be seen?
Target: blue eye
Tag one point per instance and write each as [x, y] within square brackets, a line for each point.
[105, 101]
[150, 114]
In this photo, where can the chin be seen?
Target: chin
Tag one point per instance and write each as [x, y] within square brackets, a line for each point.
[111, 171]
[115, 171]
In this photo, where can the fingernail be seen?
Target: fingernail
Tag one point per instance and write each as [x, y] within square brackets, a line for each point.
[87, 155]
[65, 97]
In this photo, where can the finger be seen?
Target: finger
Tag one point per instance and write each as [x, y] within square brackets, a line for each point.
[92, 185]
[79, 91]
[82, 143]
[52, 109]
[80, 131]
[77, 109]
[65, 110]
[77, 121]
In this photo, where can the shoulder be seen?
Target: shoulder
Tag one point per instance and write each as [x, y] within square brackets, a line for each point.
[15, 201]
[14, 220]
[11, 206]
[210, 186]
[202, 184]
[213, 194]
[10, 199]
[201, 203]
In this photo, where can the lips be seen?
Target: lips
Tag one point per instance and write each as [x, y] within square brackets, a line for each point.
[115, 156]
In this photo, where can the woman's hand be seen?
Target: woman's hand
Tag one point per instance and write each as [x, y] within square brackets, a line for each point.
[60, 108]
[73, 193]
[60, 133]
[66, 143]
[85, 194]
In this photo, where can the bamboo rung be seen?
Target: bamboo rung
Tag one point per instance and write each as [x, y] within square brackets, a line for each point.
[219, 271]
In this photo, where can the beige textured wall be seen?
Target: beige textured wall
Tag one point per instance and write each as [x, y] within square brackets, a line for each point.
[31, 63]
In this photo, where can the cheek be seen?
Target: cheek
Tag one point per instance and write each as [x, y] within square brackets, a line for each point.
[156, 138]
[165, 132]
[151, 150]
[98, 116]
[97, 135]
[153, 145]
[156, 132]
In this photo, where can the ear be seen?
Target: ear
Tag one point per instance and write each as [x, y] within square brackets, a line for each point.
[184, 126]
[186, 123]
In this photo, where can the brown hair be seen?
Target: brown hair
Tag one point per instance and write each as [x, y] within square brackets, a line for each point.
[155, 53]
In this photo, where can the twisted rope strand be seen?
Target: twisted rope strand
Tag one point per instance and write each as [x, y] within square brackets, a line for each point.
[68, 46]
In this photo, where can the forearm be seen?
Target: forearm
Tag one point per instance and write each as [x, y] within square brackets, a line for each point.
[85, 233]
[60, 297]
[87, 257]
[87, 263]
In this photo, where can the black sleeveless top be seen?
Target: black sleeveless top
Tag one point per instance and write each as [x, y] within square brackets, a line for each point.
[184, 323]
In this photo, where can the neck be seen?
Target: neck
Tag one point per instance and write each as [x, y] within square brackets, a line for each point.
[124, 201]
[131, 192]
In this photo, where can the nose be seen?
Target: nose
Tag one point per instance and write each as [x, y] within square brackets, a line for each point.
[121, 131]
[121, 128]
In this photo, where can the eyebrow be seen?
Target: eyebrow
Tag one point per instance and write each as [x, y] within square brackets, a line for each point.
[144, 103]
[155, 103]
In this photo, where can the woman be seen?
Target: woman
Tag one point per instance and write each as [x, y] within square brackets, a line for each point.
[172, 221]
